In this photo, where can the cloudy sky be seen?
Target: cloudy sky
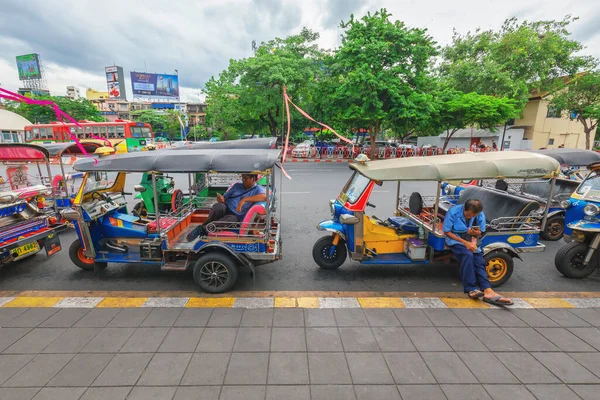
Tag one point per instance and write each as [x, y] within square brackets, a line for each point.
[77, 39]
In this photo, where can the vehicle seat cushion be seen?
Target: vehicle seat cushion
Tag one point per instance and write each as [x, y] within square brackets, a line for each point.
[164, 223]
[498, 204]
[404, 223]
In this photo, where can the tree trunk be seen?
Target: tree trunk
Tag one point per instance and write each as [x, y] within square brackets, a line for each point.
[374, 132]
[448, 137]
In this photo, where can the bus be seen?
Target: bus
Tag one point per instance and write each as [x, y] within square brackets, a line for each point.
[125, 136]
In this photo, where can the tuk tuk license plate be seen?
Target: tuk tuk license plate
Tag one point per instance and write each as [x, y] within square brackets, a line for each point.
[52, 244]
[28, 248]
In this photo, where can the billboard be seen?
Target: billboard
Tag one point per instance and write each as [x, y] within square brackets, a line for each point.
[155, 86]
[115, 81]
[29, 67]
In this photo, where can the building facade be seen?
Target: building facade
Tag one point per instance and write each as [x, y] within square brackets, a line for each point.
[12, 127]
[465, 138]
[73, 92]
[92, 94]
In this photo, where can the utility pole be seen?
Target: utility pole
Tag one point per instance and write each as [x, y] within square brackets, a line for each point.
[179, 103]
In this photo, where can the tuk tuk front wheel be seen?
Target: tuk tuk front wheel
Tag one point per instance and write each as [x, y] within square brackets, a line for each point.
[569, 260]
[215, 272]
[140, 210]
[78, 258]
[499, 267]
[554, 229]
[325, 257]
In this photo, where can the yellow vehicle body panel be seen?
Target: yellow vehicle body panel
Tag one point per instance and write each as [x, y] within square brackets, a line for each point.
[383, 240]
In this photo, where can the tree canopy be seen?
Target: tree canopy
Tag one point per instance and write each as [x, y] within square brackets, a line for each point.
[79, 109]
[165, 123]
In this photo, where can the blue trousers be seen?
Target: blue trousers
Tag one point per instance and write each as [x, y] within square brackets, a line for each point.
[472, 269]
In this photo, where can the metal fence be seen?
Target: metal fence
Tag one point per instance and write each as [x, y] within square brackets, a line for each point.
[331, 152]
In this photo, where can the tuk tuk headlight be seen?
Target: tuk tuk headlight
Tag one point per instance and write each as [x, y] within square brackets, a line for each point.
[565, 204]
[332, 207]
[591, 210]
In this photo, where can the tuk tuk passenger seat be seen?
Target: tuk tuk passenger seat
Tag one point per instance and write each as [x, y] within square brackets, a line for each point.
[251, 218]
[164, 224]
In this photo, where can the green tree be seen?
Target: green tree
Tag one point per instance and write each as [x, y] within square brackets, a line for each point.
[79, 109]
[198, 132]
[581, 99]
[165, 123]
[377, 69]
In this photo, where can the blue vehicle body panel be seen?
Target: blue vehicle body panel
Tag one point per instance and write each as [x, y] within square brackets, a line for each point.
[527, 239]
[574, 213]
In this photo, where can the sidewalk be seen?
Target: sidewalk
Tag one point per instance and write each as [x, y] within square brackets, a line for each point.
[293, 354]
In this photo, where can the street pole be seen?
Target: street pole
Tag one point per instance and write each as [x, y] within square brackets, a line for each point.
[503, 133]
[179, 103]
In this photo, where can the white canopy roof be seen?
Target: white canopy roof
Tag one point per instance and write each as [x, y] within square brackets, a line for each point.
[9, 121]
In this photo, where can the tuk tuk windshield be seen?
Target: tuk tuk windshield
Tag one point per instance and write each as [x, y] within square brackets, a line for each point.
[354, 188]
[590, 188]
[100, 181]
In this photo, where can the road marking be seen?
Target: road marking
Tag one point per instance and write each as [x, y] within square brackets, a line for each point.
[165, 302]
[284, 302]
[308, 302]
[426, 302]
[253, 302]
[199, 302]
[122, 302]
[549, 303]
[380, 302]
[338, 302]
[78, 302]
[33, 302]
[463, 303]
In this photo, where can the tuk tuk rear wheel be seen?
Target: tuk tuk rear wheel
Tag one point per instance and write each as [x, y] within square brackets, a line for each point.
[140, 210]
[79, 259]
[499, 267]
[554, 229]
[569, 260]
[215, 272]
[321, 253]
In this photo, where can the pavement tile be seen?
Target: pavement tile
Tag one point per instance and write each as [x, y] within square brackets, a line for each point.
[129, 318]
[376, 392]
[368, 369]
[381, 317]
[243, 393]
[487, 368]
[584, 303]
[443, 317]
[511, 392]
[552, 392]
[177, 302]
[123, 370]
[564, 317]
[39, 370]
[164, 316]
[18, 393]
[332, 392]
[465, 392]
[8, 314]
[589, 335]
[495, 339]
[421, 392]
[328, 368]
[181, 340]
[586, 392]
[79, 302]
[412, 317]
[11, 335]
[338, 302]
[526, 368]
[63, 393]
[35, 341]
[97, 318]
[104, 393]
[11, 363]
[473, 317]
[323, 339]
[247, 369]
[65, 318]
[258, 317]
[165, 369]
[504, 318]
[288, 392]
[197, 393]
[391, 338]
[358, 339]
[462, 339]
[588, 315]
[425, 302]
[225, 317]
[288, 339]
[591, 361]
[152, 393]
[145, 340]
[350, 317]
[530, 339]
[30, 318]
[319, 317]
[427, 339]
[254, 302]
[448, 368]
[193, 317]
[288, 317]
[565, 340]
[217, 339]
[197, 372]
[108, 340]
[408, 368]
[534, 318]
[288, 369]
[253, 339]
[82, 370]
[72, 340]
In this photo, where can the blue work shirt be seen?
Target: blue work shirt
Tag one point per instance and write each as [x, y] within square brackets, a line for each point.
[237, 193]
[455, 222]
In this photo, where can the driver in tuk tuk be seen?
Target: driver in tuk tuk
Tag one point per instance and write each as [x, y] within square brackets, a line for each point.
[463, 225]
[233, 205]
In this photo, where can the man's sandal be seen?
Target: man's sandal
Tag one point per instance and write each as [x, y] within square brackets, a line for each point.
[475, 294]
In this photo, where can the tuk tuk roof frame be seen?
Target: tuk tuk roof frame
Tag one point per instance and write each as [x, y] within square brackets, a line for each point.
[59, 149]
[23, 152]
[258, 143]
[571, 157]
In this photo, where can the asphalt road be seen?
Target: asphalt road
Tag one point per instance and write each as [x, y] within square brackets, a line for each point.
[304, 203]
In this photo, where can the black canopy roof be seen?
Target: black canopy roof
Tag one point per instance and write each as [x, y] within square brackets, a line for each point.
[260, 143]
[230, 160]
[58, 149]
[573, 157]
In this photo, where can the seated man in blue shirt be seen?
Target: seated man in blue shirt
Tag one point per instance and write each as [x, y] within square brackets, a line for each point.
[233, 206]
[462, 223]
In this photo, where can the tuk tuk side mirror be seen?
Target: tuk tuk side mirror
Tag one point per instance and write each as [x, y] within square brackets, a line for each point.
[139, 188]
[349, 219]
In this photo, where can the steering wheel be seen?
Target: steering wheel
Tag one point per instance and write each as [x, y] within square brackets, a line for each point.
[102, 196]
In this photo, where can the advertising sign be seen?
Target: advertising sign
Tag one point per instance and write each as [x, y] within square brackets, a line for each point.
[29, 67]
[115, 82]
[155, 86]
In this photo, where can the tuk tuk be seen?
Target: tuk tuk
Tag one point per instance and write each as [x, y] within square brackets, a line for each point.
[171, 198]
[29, 219]
[579, 257]
[414, 235]
[572, 161]
[107, 233]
